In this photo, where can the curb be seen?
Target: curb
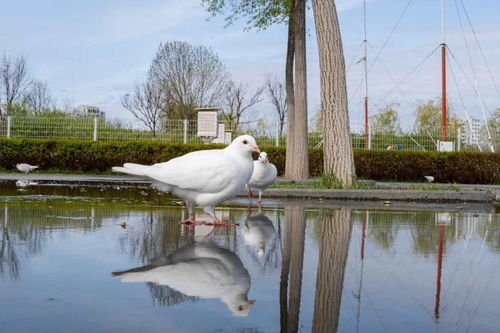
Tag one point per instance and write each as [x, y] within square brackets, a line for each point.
[386, 195]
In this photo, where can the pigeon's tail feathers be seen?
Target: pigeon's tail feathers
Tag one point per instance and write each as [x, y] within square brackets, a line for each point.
[35, 167]
[139, 168]
[127, 171]
[134, 270]
[155, 171]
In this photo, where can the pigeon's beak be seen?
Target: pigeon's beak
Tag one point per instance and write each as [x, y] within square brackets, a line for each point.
[256, 149]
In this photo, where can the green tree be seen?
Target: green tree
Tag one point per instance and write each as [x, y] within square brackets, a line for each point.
[260, 14]
[386, 120]
[494, 130]
[428, 117]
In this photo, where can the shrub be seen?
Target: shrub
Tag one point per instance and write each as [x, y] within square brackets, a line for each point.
[92, 156]
[458, 167]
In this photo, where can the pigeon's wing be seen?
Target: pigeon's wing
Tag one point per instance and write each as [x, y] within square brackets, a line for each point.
[273, 172]
[207, 171]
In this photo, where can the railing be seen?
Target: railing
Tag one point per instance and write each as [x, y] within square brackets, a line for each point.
[185, 131]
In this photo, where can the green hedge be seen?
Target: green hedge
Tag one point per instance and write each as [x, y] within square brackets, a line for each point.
[462, 167]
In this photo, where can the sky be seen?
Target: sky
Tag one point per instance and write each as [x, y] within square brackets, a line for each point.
[93, 51]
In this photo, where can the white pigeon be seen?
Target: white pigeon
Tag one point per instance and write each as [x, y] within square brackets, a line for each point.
[26, 168]
[257, 231]
[200, 270]
[264, 175]
[25, 183]
[203, 178]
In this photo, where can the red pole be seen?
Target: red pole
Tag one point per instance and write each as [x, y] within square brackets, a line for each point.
[366, 122]
[363, 237]
[443, 97]
[440, 264]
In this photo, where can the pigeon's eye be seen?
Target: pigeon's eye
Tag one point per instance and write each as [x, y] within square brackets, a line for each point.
[245, 142]
[240, 308]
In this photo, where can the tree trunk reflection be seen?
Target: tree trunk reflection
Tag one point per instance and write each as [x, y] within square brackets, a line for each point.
[292, 262]
[334, 244]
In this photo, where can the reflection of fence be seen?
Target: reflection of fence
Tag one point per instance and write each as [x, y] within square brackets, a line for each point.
[185, 131]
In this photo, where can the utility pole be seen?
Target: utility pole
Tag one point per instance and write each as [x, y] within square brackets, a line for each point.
[365, 42]
[443, 75]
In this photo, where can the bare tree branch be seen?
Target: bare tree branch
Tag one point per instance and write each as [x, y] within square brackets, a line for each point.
[147, 104]
[14, 80]
[192, 76]
[237, 100]
[38, 99]
[275, 90]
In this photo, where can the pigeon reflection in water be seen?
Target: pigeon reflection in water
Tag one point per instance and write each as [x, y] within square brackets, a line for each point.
[203, 270]
[258, 231]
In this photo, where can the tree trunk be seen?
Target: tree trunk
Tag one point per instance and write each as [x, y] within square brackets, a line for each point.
[290, 95]
[334, 245]
[337, 145]
[300, 161]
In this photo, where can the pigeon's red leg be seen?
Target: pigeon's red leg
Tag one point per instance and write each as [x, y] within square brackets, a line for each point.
[191, 220]
[214, 229]
[250, 194]
[217, 222]
[260, 199]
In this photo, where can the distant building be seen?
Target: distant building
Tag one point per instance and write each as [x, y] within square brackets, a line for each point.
[471, 128]
[89, 111]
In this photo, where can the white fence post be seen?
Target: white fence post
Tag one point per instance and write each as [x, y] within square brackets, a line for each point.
[459, 139]
[185, 138]
[369, 137]
[278, 138]
[95, 129]
[9, 121]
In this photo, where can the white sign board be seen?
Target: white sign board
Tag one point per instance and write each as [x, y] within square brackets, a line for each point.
[207, 124]
[220, 136]
[446, 145]
[443, 218]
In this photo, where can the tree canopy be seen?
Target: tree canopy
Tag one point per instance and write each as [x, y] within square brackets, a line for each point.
[260, 14]
[428, 117]
[386, 120]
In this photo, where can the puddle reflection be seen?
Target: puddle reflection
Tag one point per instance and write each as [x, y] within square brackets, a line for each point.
[201, 270]
[320, 270]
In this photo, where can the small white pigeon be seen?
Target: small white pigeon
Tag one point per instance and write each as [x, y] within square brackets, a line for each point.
[257, 231]
[203, 178]
[264, 175]
[200, 270]
[25, 183]
[26, 168]
[429, 179]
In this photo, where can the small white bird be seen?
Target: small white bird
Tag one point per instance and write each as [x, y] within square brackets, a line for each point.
[264, 175]
[26, 168]
[25, 183]
[257, 231]
[200, 270]
[429, 179]
[203, 178]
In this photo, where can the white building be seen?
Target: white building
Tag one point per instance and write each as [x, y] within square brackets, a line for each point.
[470, 130]
[89, 111]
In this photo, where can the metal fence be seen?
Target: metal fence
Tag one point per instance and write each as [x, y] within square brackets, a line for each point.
[185, 131]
